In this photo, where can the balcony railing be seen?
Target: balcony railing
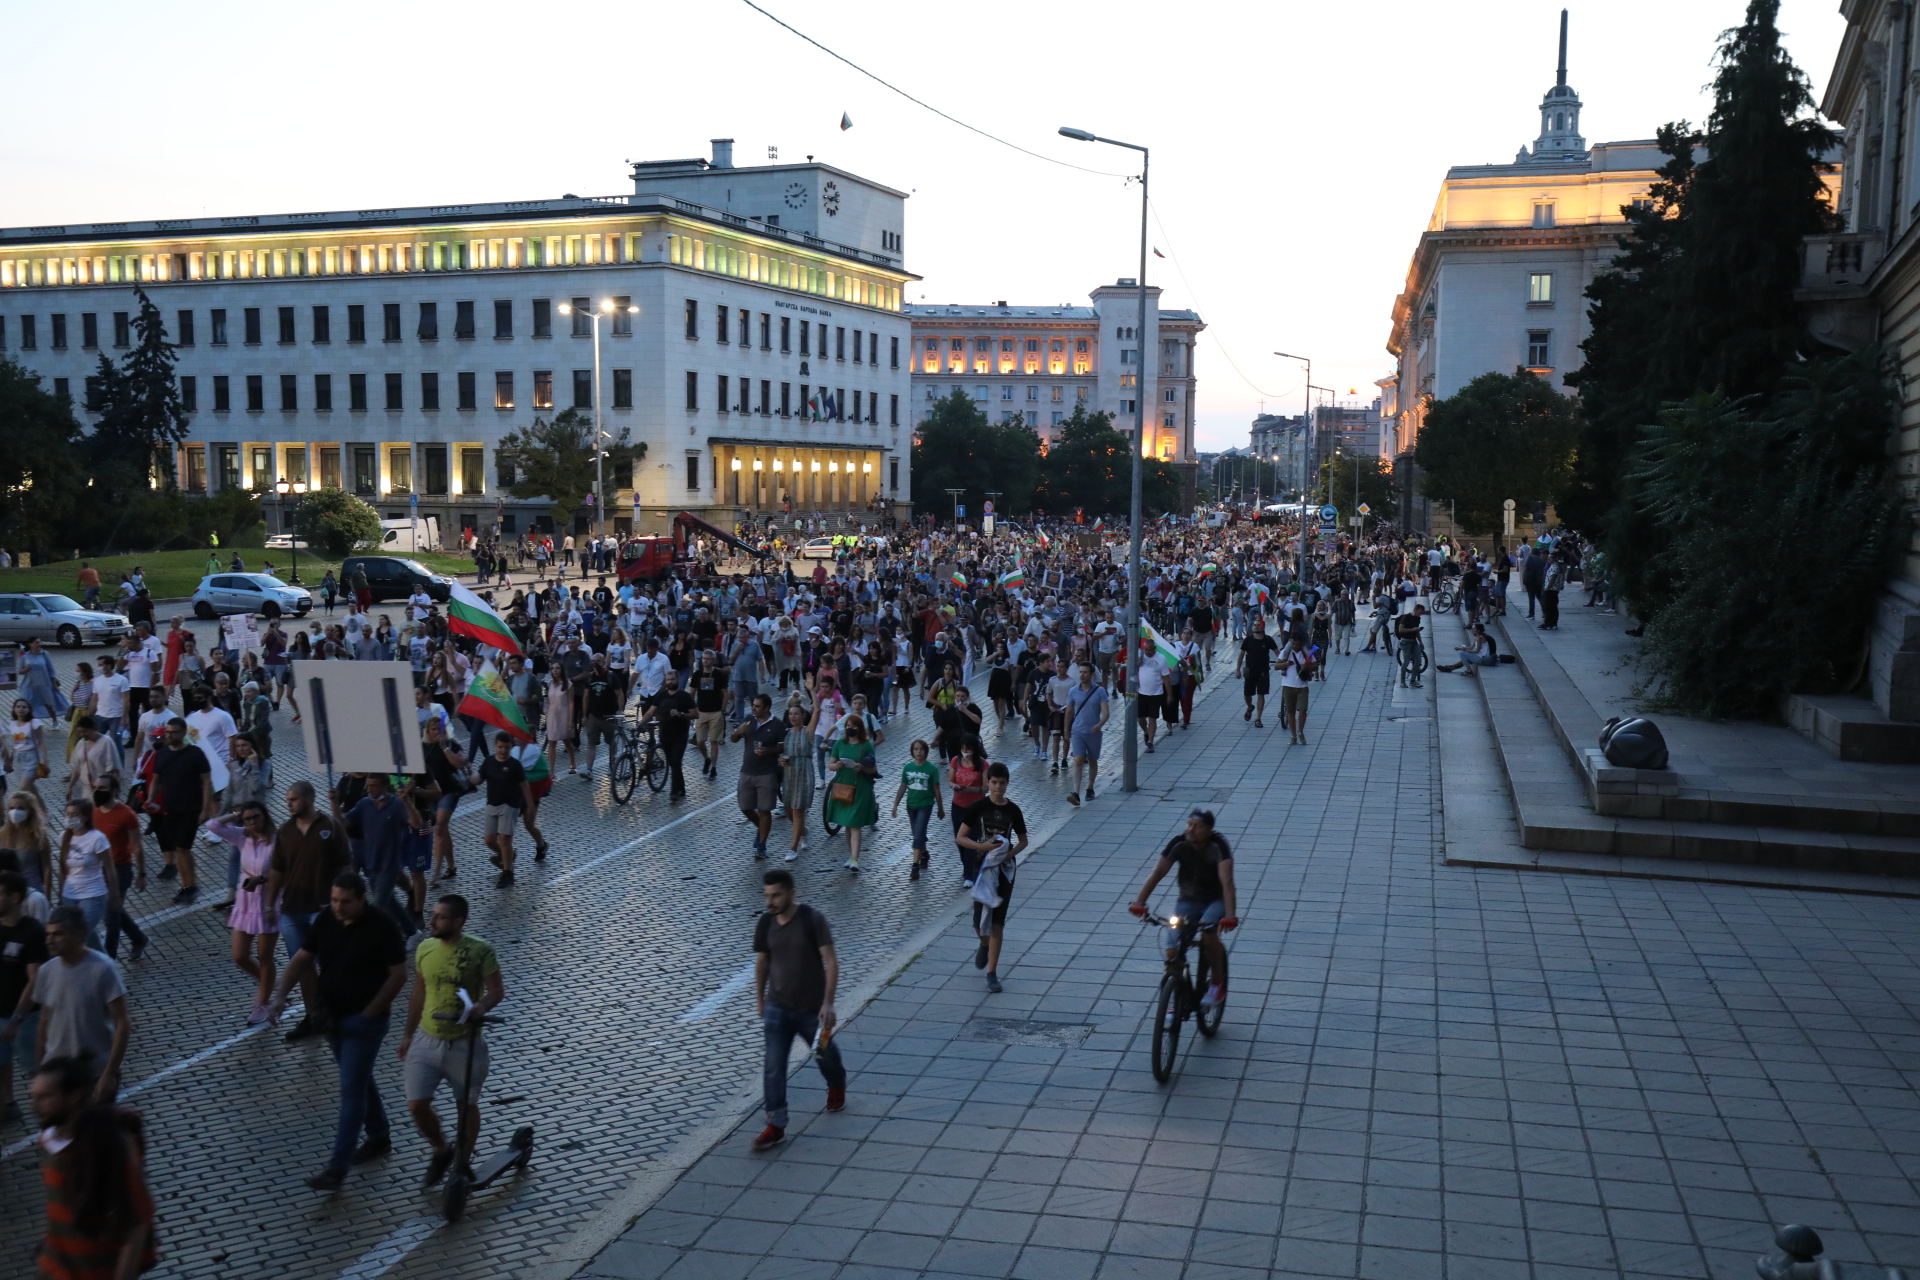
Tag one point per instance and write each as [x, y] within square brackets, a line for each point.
[1842, 259]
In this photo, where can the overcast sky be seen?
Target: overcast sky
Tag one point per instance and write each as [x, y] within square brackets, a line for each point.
[1297, 147]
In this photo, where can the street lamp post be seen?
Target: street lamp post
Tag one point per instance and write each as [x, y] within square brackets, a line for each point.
[599, 433]
[1130, 747]
[1300, 563]
[289, 488]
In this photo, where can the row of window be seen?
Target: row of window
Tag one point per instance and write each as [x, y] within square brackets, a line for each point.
[814, 404]
[301, 463]
[320, 326]
[1014, 355]
[733, 325]
[1058, 394]
[393, 385]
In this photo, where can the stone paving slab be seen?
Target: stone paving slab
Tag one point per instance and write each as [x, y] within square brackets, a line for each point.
[1424, 1070]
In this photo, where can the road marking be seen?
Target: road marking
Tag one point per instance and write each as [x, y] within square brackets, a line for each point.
[635, 843]
[192, 1060]
[728, 990]
[382, 1258]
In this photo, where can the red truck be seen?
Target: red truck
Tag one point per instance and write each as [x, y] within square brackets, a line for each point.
[649, 559]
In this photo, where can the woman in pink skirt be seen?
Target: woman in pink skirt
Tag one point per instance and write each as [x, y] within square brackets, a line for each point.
[255, 918]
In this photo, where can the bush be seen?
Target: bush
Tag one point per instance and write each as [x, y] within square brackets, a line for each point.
[336, 522]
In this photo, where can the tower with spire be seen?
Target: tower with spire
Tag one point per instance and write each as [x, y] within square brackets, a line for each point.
[1559, 140]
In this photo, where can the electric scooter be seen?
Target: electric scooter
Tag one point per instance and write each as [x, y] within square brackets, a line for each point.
[464, 1179]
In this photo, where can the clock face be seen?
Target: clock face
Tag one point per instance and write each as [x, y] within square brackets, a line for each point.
[796, 195]
[830, 197]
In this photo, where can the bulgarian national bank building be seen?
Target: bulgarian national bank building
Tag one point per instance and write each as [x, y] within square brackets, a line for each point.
[756, 342]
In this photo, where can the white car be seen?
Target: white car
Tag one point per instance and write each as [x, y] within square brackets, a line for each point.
[24, 615]
[220, 594]
[285, 542]
[819, 549]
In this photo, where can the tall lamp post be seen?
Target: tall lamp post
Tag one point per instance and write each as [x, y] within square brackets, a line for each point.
[1130, 747]
[1300, 563]
[599, 452]
[292, 488]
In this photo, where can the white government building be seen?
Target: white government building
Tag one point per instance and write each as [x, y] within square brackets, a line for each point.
[1036, 363]
[343, 348]
[1496, 282]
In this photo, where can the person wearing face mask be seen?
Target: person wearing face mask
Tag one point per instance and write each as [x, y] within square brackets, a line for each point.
[87, 880]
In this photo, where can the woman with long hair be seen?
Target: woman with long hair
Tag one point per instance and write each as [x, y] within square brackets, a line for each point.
[40, 683]
[967, 775]
[1000, 685]
[26, 748]
[255, 918]
[851, 803]
[25, 833]
[797, 769]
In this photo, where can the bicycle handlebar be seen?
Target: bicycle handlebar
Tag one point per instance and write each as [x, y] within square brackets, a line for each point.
[1173, 922]
[485, 1019]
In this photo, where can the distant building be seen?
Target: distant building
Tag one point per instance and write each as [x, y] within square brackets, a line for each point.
[1036, 363]
[1496, 281]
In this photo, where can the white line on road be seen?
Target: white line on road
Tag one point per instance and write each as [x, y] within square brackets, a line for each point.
[728, 990]
[382, 1258]
[633, 844]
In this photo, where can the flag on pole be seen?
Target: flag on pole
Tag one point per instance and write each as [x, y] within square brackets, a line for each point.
[1045, 541]
[468, 614]
[1159, 644]
[1261, 593]
[846, 122]
[1207, 571]
[1014, 577]
[488, 699]
[1099, 524]
[813, 407]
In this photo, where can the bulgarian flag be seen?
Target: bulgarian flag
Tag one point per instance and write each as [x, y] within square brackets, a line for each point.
[958, 579]
[1261, 593]
[1014, 577]
[1208, 570]
[488, 699]
[1099, 524]
[1159, 643]
[468, 614]
[1045, 541]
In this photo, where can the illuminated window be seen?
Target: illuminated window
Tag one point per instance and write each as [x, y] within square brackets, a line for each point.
[503, 390]
[400, 470]
[1540, 288]
[1059, 394]
[543, 388]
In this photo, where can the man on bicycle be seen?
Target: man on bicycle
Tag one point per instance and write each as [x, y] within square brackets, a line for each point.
[1206, 894]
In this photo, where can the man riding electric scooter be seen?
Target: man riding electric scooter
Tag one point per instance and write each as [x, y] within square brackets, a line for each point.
[446, 964]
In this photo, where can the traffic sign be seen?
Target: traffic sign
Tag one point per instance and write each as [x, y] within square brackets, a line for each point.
[986, 508]
[1365, 510]
[1509, 504]
[960, 512]
[1329, 513]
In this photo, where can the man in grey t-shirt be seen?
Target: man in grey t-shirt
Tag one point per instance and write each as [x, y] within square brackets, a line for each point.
[83, 1005]
[795, 975]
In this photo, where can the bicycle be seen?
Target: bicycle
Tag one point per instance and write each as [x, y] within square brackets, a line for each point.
[1179, 996]
[1411, 655]
[1444, 600]
[636, 754]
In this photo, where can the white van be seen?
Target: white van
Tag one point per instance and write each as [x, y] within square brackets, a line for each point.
[398, 537]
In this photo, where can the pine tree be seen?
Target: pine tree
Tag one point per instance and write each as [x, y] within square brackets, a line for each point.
[957, 448]
[141, 419]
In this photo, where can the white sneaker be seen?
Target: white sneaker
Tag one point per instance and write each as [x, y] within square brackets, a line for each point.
[1216, 994]
[791, 855]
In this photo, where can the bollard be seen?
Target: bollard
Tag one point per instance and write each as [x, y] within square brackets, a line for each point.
[1799, 1259]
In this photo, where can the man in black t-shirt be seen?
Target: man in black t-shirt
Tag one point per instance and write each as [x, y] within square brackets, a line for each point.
[599, 706]
[1206, 894]
[186, 801]
[363, 963]
[674, 710]
[795, 974]
[509, 798]
[1201, 620]
[1255, 667]
[760, 768]
[710, 692]
[23, 949]
[997, 830]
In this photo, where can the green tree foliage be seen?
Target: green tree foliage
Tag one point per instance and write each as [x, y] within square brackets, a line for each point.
[1089, 468]
[1781, 520]
[42, 471]
[1376, 487]
[1701, 299]
[336, 522]
[141, 419]
[957, 448]
[555, 460]
[1503, 435]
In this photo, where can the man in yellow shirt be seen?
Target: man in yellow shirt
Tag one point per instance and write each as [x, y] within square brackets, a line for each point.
[448, 961]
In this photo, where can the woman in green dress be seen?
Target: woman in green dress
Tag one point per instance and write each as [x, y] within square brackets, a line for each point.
[853, 768]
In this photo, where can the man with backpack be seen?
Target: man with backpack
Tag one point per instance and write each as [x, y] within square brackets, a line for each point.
[1296, 673]
[795, 974]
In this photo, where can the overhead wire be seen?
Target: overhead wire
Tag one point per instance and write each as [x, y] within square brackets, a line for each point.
[838, 57]
[1174, 258]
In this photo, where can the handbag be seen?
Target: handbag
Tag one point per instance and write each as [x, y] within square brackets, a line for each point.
[844, 792]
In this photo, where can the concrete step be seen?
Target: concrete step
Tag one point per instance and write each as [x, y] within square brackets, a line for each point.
[1580, 830]
[1648, 793]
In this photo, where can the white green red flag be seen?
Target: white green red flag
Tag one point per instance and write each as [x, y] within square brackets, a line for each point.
[1014, 577]
[958, 578]
[1045, 541]
[490, 701]
[1099, 524]
[1159, 644]
[469, 615]
[1261, 593]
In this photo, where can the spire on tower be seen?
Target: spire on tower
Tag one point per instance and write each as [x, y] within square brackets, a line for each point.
[1562, 77]
[1559, 141]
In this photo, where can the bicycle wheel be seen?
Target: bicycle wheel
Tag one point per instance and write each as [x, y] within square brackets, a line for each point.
[1209, 1016]
[1169, 1012]
[621, 776]
[656, 769]
[1444, 602]
[830, 827]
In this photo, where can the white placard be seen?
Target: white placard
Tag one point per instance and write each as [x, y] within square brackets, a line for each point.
[359, 716]
[240, 632]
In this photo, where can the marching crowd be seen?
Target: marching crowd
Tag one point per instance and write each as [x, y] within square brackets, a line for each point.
[805, 668]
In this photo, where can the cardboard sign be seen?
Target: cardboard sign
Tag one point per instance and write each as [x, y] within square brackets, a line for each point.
[359, 717]
[239, 632]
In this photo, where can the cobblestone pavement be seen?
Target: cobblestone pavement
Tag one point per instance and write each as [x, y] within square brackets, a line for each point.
[626, 956]
[1424, 1071]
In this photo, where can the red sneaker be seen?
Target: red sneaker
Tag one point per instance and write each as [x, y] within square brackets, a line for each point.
[770, 1137]
[836, 1099]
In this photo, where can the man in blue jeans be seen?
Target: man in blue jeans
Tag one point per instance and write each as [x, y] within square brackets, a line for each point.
[363, 964]
[1206, 894]
[380, 821]
[795, 973]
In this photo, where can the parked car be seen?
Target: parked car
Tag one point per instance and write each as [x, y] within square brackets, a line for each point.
[819, 549]
[285, 542]
[220, 594]
[395, 577]
[60, 618]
